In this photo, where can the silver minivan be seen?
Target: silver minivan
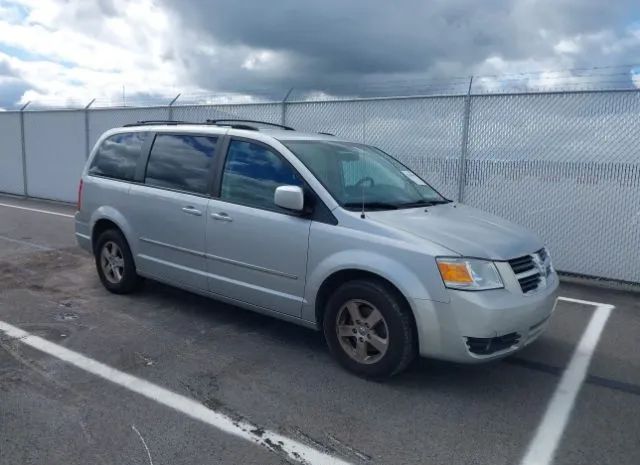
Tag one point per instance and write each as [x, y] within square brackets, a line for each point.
[333, 235]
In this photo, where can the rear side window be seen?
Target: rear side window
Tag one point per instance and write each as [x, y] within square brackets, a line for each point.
[182, 162]
[252, 173]
[118, 156]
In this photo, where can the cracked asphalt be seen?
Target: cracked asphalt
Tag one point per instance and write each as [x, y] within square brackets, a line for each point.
[278, 376]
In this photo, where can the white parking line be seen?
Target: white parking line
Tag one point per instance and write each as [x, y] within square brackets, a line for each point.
[37, 210]
[545, 442]
[294, 450]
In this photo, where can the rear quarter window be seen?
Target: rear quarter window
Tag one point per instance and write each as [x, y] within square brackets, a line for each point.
[118, 155]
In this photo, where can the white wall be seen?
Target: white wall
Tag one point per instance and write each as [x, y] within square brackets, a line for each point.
[55, 146]
[100, 120]
[10, 154]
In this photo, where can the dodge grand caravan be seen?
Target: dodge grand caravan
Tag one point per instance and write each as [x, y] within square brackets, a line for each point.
[330, 234]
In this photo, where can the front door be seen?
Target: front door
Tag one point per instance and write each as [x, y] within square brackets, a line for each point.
[256, 251]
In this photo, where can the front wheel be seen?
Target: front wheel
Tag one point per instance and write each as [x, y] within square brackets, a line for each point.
[369, 329]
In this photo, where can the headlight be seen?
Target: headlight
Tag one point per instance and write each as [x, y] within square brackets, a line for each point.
[470, 274]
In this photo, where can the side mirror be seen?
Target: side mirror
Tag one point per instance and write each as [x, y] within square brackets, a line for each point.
[289, 197]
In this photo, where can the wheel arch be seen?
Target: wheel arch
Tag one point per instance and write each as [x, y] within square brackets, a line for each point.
[334, 280]
[108, 218]
[102, 225]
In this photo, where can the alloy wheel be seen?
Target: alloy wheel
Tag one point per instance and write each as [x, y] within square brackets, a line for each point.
[112, 262]
[362, 331]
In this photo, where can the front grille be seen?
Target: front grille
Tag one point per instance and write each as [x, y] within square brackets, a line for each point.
[522, 264]
[490, 345]
[530, 283]
[531, 270]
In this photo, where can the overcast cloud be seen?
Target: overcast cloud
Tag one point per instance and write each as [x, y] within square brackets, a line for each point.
[67, 52]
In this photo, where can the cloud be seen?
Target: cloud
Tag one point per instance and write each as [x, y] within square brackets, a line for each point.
[11, 90]
[6, 70]
[63, 52]
[340, 46]
[73, 51]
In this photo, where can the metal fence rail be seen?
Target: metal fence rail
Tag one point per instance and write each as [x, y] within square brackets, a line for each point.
[565, 164]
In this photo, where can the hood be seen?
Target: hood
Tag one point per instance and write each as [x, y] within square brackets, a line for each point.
[464, 230]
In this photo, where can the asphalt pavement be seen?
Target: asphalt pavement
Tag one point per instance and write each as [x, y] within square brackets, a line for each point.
[275, 376]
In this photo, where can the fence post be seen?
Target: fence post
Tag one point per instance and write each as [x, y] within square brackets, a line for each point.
[283, 116]
[171, 106]
[86, 129]
[462, 172]
[364, 121]
[24, 150]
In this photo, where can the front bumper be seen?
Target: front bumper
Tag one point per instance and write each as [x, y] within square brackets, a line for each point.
[444, 329]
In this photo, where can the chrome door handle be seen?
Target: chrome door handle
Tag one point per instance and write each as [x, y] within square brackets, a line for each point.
[221, 217]
[192, 211]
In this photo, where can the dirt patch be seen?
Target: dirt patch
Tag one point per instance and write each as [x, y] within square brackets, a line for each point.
[53, 272]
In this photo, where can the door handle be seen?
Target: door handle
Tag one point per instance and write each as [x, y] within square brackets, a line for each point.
[221, 217]
[192, 211]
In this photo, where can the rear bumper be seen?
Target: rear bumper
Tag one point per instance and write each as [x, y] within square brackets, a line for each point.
[83, 234]
[480, 326]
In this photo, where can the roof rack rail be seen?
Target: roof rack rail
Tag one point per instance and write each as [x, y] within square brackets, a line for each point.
[193, 123]
[216, 122]
[157, 121]
[227, 120]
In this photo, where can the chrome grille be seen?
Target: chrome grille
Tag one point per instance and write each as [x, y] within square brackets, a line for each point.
[532, 270]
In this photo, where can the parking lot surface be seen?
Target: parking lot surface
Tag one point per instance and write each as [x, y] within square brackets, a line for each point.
[276, 376]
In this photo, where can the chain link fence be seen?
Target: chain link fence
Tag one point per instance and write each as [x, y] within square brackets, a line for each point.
[565, 164]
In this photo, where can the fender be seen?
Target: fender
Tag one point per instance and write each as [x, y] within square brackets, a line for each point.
[105, 212]
[394, 271]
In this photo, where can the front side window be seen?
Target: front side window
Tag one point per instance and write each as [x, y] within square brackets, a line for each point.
[252, 173]
[117, 157]
[181, 162]
[355, 174]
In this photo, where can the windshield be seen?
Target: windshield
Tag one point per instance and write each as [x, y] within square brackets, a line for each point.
[355, 174]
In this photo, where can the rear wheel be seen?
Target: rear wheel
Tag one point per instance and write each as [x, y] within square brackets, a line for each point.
[369, 329]
[114, 263]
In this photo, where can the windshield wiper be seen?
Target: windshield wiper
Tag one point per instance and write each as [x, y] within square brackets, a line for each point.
[371, 205]
[423, 203]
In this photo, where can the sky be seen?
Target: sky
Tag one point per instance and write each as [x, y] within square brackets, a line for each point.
[68, 52]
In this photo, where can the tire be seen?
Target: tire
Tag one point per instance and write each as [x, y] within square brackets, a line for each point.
[113, 243]
[376, 360]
